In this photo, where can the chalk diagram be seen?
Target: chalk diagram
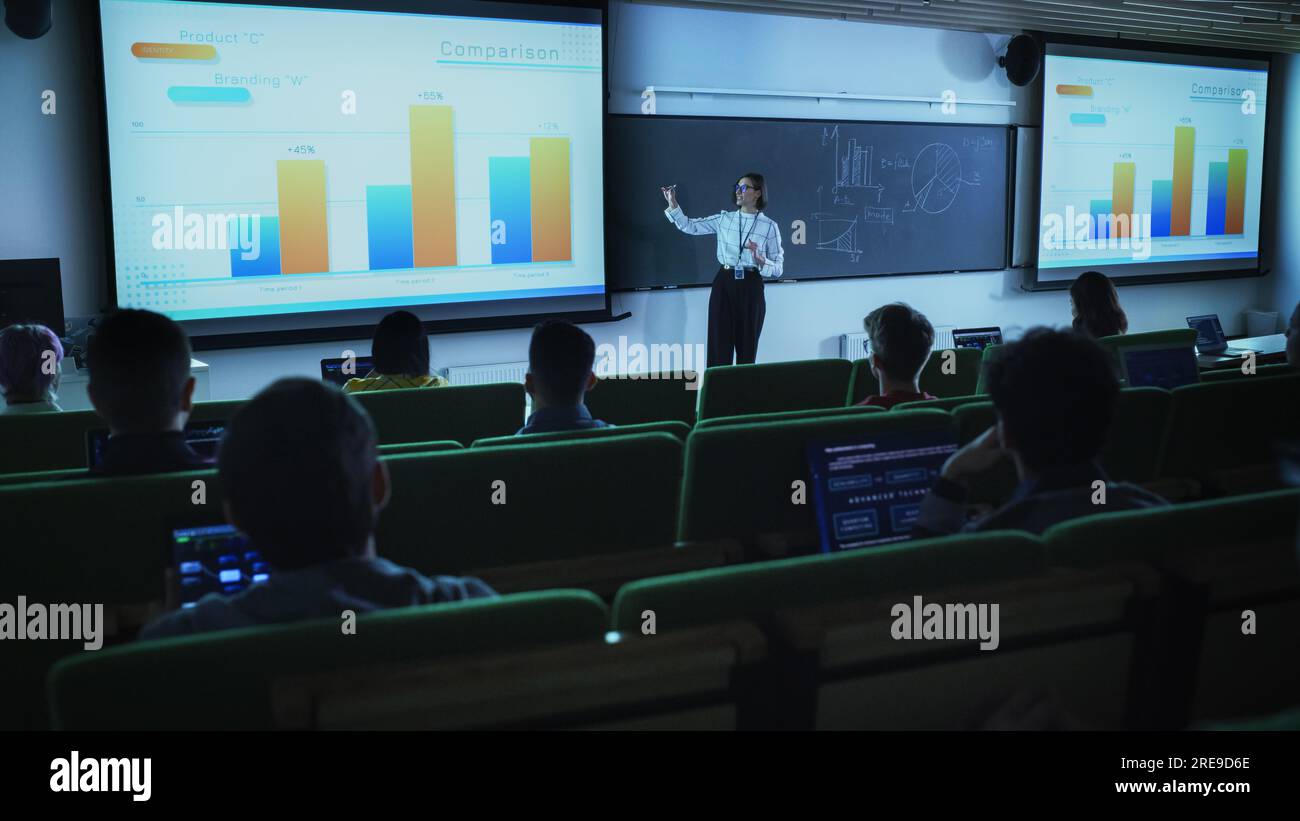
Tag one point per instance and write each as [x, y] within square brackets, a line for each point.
[835, 232]
[853, 167]
[936, 179]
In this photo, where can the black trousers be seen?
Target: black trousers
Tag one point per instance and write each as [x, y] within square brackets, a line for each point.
[736, 311]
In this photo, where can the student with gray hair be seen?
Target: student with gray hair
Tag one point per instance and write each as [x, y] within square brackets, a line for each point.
[30, 359]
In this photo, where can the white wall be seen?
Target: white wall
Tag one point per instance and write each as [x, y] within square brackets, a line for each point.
[51, 198]
[49, 203]
[1281, 289]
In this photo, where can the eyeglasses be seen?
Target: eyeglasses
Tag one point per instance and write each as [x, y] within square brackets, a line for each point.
[742, 188]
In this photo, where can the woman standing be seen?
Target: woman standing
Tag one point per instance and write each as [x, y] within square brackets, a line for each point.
[749, 250]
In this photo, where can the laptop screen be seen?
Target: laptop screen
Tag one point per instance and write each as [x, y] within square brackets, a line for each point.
[868, 490]
[1209, 333]
[214, 559]
[977, 338]
[203, 437]
[1160, 367]
[331, 370]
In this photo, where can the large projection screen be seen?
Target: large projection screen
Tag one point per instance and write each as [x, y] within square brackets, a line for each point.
[295, 172]
[1152, 164]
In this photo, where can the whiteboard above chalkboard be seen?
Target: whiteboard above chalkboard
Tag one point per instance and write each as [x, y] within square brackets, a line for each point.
[851, 198]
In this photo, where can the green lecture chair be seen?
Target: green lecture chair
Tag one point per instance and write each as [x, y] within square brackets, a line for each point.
[1150, 340]
[945, 404]
[1223, 557]
[1218, 429]
[57, 441]
[672, 427]
[485, 507]
[733, 390]
[637, 398]
[227, 680]
[988, 356]
[739, 479]
[461, 413]
[784, 416]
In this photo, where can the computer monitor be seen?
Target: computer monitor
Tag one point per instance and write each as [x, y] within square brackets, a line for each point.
[868, 490]
[31, 290]
[1210, 338]
[332, 370]
[203, 437]
[214, 559]
[977, 338]
[1158, 367]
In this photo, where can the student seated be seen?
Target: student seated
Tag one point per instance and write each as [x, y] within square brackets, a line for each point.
[140, 383]
[1094, 304]
[1293, 338]
[300, 467]
[30, 360]
[900, 339]
[400, 351]
[1055, 395]
[560, 360]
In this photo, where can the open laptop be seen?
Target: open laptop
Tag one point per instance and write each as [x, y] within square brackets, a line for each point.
[1210, 339]
[868, 490]
[204, 437]
[213, 559]
[977, 338]
[1158, 366]
[331, 370]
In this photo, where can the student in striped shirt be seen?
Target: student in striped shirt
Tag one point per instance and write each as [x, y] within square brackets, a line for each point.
[749, 250]
[401, 353]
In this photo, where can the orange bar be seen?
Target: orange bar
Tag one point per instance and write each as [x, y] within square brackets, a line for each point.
[1074, 91]
[1180, 216]
[1234, 218]
[1121, 197]
[173, 51]
[304, 233]
[548, 169]
[433, 186]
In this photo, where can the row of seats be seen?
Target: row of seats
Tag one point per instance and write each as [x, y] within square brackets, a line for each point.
[43, 442]
[54, 441]
[1132, 619]
[540, 499]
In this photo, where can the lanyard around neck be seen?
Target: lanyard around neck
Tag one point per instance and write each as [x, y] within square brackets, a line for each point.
[740, 252]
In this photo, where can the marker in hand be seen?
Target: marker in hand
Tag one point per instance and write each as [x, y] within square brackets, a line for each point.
[670, 194]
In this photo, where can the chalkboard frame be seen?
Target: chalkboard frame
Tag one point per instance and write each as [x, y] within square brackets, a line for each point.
[1008, 195]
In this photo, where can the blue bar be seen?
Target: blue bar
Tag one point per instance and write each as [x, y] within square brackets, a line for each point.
[1100, 210]
[1087, 119]
[267, 263]
[388, 227]
[1162, 204]
[510, 202]
[1216, 206]
[208, 94]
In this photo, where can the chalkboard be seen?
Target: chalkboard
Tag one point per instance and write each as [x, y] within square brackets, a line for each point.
[874, 198]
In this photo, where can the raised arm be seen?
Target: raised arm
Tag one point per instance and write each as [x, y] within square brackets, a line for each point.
[703, 225]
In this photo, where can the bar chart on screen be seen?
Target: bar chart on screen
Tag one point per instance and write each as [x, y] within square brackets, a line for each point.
[1150, 151]
[289, 171]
